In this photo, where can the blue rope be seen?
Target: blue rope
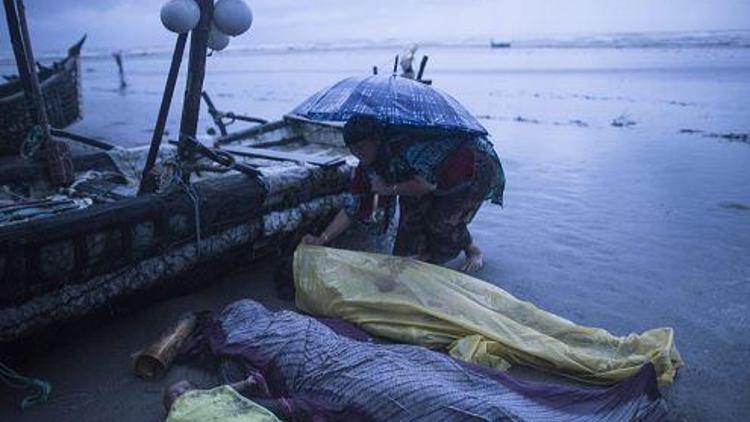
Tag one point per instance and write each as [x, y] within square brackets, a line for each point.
[32, 143]
[13, 379]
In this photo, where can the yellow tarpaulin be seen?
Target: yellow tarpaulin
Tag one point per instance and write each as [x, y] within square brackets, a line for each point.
[413, 302]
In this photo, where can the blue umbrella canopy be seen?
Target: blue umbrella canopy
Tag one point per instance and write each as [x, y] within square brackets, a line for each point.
[393, 100]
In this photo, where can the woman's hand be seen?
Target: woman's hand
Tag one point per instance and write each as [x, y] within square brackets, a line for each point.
[379, 186]
[339, 224]
[310, 239]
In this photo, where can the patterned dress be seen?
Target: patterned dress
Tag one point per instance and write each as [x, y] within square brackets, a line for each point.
[466, 171]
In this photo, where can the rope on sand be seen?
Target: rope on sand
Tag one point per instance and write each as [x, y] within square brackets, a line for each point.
[13, 379]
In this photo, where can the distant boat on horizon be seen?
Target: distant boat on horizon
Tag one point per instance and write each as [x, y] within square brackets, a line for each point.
[499, 44]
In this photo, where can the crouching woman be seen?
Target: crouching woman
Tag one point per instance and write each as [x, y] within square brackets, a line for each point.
[440, 181]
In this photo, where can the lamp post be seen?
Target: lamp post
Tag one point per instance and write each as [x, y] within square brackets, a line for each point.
[196, 17]
[196, 72]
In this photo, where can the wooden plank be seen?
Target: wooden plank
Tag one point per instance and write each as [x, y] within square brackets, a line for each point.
[279, 142]
[323, 161]
[250, 132]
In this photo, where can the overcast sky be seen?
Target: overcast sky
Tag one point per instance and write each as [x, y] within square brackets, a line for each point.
[127, 24]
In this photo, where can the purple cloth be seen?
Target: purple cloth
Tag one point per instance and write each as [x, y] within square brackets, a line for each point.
[327, 376]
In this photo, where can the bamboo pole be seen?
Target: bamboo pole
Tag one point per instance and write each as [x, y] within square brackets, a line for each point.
[154, 362]
[11, 16]
[194, 86]
[36, 91]
[161, 121]
[61, 133]
[422, 65]
[215, 114]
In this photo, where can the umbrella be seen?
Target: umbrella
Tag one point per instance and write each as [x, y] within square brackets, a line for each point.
[393, 100]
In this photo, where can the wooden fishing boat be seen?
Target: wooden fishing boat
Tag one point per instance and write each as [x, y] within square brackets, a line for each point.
[117, 247]
[141, 224]
[499, 44]
[60, 85]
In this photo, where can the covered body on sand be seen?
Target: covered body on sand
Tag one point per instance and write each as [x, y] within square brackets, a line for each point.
[333, 376]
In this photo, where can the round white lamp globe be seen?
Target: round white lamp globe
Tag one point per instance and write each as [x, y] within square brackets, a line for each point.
[180, 16]
[232, 17]
[217, 40]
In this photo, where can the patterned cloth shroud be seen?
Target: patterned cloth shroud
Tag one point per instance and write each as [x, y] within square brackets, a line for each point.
[340, 378]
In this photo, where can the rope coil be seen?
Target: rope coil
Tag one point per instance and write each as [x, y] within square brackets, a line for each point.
[32, 143]
[13, 379]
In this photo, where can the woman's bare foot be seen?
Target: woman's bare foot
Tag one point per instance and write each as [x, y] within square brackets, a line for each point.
[474, 259]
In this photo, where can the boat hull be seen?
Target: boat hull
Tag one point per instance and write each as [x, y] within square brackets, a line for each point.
[57, 270]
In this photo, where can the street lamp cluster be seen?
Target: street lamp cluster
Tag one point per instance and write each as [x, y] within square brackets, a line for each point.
[230, 18]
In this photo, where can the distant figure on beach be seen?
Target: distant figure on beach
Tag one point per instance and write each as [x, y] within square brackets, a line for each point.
[440, 181]
[407, 62]
[118, 59]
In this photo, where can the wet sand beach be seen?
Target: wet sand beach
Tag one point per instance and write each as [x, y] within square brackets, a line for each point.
[627, 206]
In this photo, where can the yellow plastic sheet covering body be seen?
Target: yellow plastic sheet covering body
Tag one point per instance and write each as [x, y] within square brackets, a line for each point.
[414, 302]
[220, 404]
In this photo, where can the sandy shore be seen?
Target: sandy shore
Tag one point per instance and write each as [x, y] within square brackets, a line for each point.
[92, 374]
[93, 380]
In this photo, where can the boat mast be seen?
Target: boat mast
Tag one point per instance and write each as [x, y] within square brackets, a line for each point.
[148, 185]
[15, 13]
[18, 49]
